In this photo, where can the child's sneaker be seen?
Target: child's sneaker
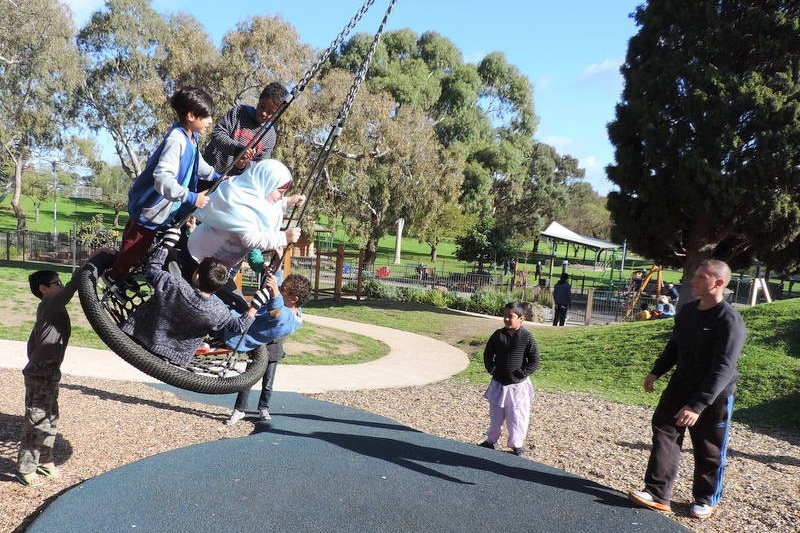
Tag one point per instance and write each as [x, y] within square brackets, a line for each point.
[487, 444]
[236, 415]
[118, 287]
[48, 470]
[29, 480]
[264, 415]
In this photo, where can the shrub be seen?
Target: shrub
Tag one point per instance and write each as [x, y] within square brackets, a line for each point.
[409, 294]
[93, 234]
[378, 291]
[488, 302]
[437, 298]
[543, 298]
[485, 301]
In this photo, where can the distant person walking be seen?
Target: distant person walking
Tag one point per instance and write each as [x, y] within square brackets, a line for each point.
[562, 299]
[704, 348]
[510, 356]
[673, 293]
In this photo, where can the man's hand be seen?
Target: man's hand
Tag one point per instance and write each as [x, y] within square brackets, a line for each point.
[648, 382]
[686, 417]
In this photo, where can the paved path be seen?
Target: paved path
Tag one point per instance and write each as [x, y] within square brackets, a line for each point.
[412, 360]
[319, 466]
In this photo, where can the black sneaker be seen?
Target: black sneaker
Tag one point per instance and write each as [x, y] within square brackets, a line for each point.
[119, 287]
[519, 452]
[108, 279]
[487, 444]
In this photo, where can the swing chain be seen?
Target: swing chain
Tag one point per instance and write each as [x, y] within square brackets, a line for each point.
[334, 45]
[362, 71]
[311, 183]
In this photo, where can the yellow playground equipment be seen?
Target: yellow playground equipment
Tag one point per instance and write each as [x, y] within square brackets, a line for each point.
[638, 285]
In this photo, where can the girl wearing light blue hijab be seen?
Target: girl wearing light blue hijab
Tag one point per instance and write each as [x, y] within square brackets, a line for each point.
[244, 213]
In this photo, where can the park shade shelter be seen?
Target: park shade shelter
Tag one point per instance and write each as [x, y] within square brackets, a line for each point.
[558, 233]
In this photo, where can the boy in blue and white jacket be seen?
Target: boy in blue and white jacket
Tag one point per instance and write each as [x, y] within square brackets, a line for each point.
[168, 181]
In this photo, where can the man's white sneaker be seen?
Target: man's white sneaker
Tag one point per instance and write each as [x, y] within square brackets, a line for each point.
[645, 499]
[701, 510]
[236, 415]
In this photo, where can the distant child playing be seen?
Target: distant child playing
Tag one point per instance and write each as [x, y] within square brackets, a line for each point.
[270, 328]
[169, 180]
[174, 321]
[510, 356]
[46, 346]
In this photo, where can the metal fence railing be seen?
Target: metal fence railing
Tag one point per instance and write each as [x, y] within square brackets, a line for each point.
[591, 304]
[33, 246]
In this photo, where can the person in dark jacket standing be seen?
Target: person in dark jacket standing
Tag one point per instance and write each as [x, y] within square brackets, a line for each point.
[510, 356]
[705, 346]
[562, 298]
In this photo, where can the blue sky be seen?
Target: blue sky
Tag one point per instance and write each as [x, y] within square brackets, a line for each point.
[571, 50]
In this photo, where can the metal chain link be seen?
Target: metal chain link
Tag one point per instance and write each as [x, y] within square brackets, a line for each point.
[310, 185]
[334, 45]
[294, 92]
[362, 72]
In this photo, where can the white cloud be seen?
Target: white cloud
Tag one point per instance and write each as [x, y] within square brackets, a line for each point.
[601, 70]
[596, 174]
[559, 143]
[592, 164]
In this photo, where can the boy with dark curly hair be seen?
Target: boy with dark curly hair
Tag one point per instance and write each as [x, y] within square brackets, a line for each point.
[279, 318]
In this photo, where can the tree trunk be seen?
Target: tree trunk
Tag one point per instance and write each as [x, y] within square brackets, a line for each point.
[370, 253]
[15, 205]
[433, 254]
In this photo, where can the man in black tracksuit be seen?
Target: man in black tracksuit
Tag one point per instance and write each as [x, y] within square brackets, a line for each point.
[706, 342]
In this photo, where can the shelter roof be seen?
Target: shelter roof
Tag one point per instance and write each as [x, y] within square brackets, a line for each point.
[558, 232]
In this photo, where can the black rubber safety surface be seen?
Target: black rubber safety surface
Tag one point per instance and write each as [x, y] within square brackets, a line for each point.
[320, 467]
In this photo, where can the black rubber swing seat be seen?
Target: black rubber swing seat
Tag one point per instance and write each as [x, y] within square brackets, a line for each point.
[212, 373]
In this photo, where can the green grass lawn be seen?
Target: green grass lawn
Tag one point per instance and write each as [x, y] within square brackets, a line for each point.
[612, 361]
[71, 212]
[609, 361]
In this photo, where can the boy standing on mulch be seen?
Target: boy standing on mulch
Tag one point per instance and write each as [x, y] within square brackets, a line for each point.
[510, 356]
[46, 346]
